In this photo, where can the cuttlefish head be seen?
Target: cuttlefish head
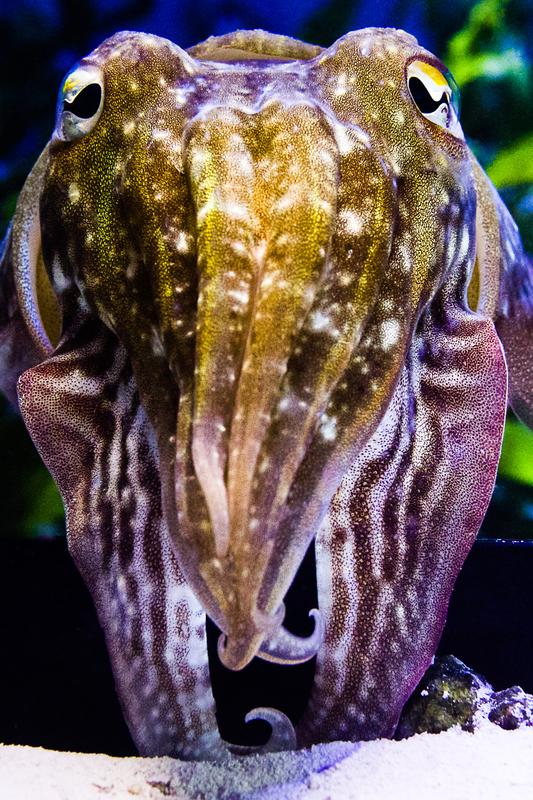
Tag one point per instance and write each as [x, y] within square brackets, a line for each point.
[261, 223]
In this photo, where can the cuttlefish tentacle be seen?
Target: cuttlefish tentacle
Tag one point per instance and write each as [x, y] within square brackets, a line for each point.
[82, 409]
[282, 737]
[403, 512]
[285, 647]
[281, 646]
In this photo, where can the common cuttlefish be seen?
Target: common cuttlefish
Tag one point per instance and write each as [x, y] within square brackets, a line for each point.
[255, 294]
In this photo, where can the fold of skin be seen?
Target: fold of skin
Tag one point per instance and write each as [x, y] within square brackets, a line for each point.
[263, 301]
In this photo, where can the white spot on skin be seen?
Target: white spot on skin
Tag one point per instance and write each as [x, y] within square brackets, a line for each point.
[263, 466]
[463, 247]
[319, 321]
[239, 248]
[73, 193]
[327, 158]
[59, 279]
[390, 333]
[400, 616]
[328, 428]
[198, 160]
[344, 141]
[366, 47]
[285, 202]
[180, 96]
[240, 162]
[231, 209]
[341, 87]
[399, 117]
[182, 244]
[346, 279]
[241, 295]
[159, 135]
[128, 127]
[352, 222]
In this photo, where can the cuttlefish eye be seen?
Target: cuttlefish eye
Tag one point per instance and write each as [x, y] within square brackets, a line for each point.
[435, 94]
[80, 103]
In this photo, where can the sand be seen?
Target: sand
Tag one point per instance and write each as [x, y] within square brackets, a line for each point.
[490, 764]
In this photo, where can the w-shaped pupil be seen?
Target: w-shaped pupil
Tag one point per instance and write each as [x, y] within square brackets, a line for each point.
[422, 97]
[86, 103]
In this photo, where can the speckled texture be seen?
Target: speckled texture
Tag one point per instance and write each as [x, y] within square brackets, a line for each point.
[256, 290]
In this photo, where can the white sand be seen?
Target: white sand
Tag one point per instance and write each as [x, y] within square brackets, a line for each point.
[491, 764]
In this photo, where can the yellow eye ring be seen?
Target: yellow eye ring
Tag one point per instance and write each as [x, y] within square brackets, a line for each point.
[435, 94]
[80, 103]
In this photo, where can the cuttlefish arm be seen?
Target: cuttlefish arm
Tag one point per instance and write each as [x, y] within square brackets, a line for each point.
[81, 406]
[74, 384]
[402, 522]
[100, 449]
[412, 503]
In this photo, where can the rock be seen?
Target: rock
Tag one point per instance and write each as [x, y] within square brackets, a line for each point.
[512, 708]
[450, 693]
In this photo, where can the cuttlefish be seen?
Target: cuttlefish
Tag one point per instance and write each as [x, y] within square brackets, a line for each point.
[255, 294]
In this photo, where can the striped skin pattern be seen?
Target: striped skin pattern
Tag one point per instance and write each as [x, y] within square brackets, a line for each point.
[253, 297]
[154, 626]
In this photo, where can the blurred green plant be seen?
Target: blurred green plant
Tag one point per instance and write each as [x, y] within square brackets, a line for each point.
[488, 57]
[513, 165]
[31, 505]
[487, 49]
[516, 462]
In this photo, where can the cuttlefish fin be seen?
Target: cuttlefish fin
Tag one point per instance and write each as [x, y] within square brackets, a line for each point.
[504, 273]
[30, 317]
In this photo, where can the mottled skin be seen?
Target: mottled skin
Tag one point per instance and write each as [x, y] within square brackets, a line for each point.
[260, 299]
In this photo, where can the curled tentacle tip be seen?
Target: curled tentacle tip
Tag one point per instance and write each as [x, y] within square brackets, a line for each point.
[236, 653]
[285, 647]
[221, 646]
[319, 630]
[283, 736]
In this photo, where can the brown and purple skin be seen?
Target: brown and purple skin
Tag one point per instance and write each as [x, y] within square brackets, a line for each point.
[254, 294]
